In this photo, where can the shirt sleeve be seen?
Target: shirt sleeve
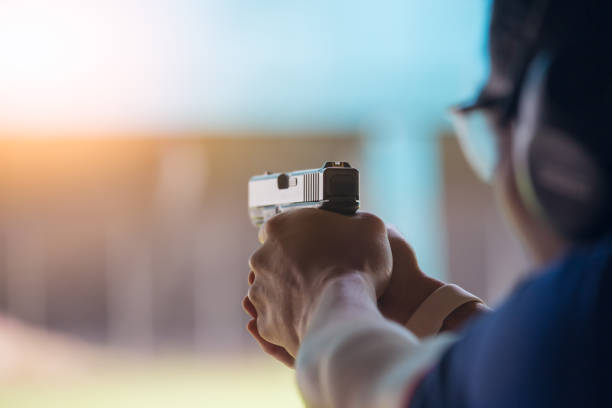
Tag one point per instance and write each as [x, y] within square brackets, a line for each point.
[495, 363]
[531, 352]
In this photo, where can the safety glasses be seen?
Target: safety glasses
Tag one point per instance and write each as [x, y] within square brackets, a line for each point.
[475, 124]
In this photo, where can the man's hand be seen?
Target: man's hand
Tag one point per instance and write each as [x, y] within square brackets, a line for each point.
[409, 287]
[275, 351]
[303, 250]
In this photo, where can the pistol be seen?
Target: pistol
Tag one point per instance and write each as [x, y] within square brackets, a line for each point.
[333, 187]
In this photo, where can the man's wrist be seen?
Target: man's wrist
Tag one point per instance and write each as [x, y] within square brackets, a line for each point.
[400, 307]
[446, 305]
[338, 295]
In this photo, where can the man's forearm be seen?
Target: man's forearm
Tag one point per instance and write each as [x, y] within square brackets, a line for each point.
[352, 356]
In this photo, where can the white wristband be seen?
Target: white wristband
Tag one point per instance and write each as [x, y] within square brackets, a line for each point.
[430, 315]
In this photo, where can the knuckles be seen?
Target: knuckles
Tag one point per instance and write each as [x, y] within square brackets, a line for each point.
[273, 226]
[253, 295]
[295, 246]
[258, 261]
[373, 223]
[264, 330]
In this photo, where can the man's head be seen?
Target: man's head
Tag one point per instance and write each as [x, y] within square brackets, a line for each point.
[547, 93]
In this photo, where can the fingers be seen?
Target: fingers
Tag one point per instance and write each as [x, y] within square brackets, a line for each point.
[251, 277]
[257, 307]
[257, 310]
[283, 222]
[374, 224]
[259, 265]
[403, 254]
[393, 232]
[275, 351]
[395, 237]
[248, 307]
[271, 227]
[279, 223]
[258, 262]
[253, 296]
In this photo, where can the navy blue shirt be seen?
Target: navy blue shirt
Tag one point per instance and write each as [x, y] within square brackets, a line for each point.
[548, 345]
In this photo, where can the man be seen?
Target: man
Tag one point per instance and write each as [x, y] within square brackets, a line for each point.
[345, 297]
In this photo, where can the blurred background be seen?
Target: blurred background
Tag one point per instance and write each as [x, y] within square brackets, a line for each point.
[128, 132]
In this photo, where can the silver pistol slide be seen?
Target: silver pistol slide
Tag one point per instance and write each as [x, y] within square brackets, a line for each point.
[333, 187]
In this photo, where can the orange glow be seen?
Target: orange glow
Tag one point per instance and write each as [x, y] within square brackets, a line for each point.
[75, 64]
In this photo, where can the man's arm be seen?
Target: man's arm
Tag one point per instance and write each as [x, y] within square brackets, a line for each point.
[352, 356]
[313, 291]
[406, 291]
[409, 287]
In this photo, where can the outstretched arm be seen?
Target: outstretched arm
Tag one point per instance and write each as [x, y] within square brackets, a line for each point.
[352, 356]
[314, 287]
[406, 291]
